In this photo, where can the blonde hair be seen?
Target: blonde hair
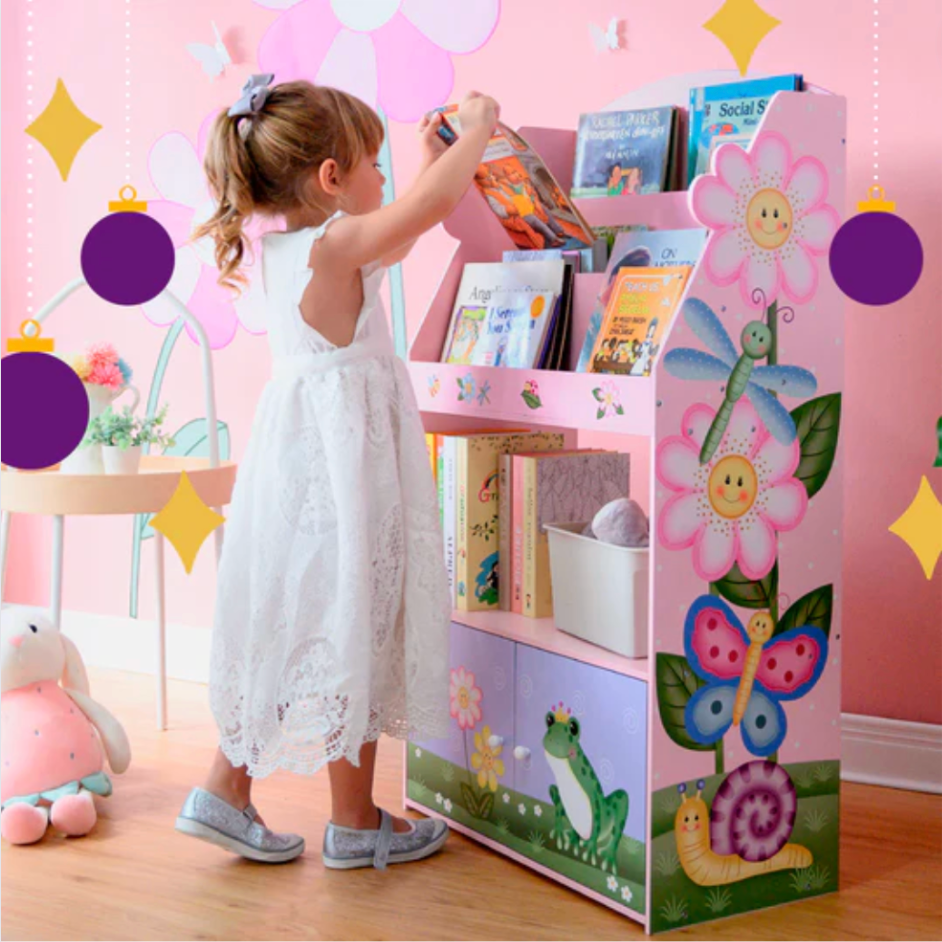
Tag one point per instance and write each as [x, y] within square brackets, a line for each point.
[262, 163]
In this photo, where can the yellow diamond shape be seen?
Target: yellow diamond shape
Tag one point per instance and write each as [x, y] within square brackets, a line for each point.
[186, 521]
[920, 528]
[62, 129]
[741, 25]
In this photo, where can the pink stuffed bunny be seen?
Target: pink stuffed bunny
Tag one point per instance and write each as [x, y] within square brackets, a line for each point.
[53, 760]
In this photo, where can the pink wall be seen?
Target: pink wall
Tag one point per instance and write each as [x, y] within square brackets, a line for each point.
[542, 66]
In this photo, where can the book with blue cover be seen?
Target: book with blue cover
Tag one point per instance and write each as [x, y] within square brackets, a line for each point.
[730, 113]
[625, 152]
[659, 248]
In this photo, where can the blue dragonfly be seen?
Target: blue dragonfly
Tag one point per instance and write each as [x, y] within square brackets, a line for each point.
[740, 374]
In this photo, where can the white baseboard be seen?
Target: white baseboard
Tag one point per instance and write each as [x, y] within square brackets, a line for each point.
[876, 751]
[129, 644]
[894, 753]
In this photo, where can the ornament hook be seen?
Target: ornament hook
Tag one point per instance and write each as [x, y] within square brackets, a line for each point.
[31, 342]
[128, 202]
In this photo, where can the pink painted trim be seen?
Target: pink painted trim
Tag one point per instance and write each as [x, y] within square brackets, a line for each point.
[530, 864]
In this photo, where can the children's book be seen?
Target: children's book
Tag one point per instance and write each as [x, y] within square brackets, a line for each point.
[640, 249]
[484, 283]
[610, 233]
[562, 488]
[522, 192]
[430, 447]
[512, 330]
[729, 113]
[642, 304]
[625, 152]
[477, 549]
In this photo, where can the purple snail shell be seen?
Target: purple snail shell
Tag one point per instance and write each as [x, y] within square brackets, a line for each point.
[753, 812]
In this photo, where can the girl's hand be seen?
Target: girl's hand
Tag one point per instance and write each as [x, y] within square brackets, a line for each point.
[432, 145]
[478, 111]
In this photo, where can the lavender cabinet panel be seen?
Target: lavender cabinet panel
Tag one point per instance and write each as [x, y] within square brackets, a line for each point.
[482, 707]
[599, 712]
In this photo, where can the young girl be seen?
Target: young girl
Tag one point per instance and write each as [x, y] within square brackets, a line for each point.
[333, 609]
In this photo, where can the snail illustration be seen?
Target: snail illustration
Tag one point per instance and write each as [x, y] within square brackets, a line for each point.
[752, 818]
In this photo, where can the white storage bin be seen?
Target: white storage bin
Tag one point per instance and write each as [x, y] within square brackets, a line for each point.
[600, 591]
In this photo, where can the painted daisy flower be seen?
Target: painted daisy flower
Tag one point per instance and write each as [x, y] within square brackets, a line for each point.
[176, 170]
[522, 808]
[418, 753]
[486, 761]
[731, 508]
[609, 399]
[770, 218]
[466, 699]
[538, 811]
[449, 807]
[612, 885]
[506, 798]
[392, 54]
[626, 894]
[439, 799]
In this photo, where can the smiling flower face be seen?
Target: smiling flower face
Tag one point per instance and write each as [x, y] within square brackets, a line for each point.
[770, 218]
[730, 509]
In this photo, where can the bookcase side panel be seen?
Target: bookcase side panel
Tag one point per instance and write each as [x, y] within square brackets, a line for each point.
[747, 532]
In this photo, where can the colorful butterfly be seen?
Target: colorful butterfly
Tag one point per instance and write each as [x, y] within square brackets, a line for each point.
[747, 673]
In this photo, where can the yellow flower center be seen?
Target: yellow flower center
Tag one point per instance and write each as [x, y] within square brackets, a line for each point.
[464, 698]
[769, 218]
[733, 487]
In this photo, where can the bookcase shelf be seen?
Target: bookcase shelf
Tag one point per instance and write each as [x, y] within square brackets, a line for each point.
[631, 714]
[543, 634]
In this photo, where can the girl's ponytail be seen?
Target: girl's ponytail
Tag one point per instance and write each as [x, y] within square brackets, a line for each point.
[264, 153]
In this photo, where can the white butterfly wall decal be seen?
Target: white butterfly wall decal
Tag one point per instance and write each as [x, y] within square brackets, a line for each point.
[608, 39]
[213, 58]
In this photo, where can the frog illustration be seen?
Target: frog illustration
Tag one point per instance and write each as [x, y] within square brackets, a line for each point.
[587, 822]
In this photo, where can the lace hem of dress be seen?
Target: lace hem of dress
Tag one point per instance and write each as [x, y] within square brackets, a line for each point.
[309, 759]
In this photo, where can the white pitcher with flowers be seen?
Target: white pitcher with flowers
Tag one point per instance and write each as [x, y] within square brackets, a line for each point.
[105, 376]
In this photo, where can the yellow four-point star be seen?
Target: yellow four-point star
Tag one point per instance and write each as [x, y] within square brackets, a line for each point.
[62, 129]
[920, 527]
[186, 521]
[741, 25]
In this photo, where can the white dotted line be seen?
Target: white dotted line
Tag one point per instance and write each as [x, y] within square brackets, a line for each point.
[127, 91]
[876, 90]
[30, 32]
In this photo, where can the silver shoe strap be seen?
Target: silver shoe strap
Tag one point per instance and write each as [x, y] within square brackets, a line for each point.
[383, 841]
[250, 812]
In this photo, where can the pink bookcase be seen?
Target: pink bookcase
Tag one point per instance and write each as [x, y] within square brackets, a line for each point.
[715, 810]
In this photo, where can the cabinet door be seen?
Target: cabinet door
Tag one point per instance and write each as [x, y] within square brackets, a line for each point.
[464, 776]
[581, 778]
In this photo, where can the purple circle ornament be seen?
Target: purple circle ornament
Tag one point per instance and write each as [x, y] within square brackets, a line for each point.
[876, 257]
[128, 257]
[47, 407]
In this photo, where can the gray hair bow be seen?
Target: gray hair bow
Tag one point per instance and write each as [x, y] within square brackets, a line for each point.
[254, 93]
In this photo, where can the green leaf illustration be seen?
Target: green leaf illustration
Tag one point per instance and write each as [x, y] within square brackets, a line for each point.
[192, 441]
[487, 805]
[676, 684]
[470, 799]
[534, 402]
[815, 609]
[748, 593]
[818, 422]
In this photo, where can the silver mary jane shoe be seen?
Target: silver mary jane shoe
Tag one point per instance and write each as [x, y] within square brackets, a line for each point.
[348, 849]
[210, 819]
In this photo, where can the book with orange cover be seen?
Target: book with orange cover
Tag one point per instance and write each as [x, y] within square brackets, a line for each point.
[642, 304]
[522, 192]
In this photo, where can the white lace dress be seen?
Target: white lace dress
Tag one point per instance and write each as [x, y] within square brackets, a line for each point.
[333, 608]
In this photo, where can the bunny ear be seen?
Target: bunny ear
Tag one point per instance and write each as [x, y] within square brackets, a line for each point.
[74, 675]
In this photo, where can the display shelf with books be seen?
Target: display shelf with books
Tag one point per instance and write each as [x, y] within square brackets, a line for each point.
[581, 763]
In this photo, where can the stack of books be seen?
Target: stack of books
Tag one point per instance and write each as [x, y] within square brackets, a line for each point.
[497, 490]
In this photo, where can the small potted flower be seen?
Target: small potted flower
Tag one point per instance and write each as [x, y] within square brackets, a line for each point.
[122, 435]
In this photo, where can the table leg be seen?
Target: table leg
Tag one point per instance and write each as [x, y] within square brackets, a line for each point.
[161, 632]
[55, 591]
[4, 543]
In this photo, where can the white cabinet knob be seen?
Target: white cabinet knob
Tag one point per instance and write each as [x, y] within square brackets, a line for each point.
[495, 742]
[521, 753]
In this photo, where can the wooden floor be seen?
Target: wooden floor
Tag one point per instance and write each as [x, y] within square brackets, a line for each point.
[135, 878]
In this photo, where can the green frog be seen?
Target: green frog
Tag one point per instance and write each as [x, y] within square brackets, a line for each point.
[587, 822]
